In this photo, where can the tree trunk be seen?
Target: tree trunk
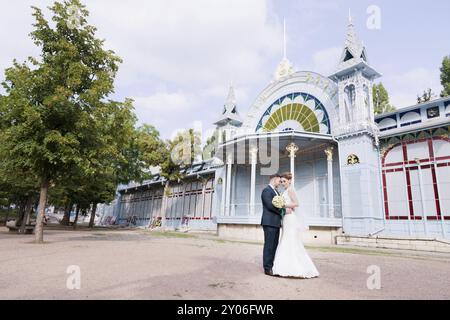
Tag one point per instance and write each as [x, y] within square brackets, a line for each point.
[164, 204]
[93, 211]
[77, 212]
[66, 218]
[28, 208]
[20, 213]
[39, 230]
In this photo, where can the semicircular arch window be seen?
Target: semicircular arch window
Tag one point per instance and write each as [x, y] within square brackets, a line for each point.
[295, 112]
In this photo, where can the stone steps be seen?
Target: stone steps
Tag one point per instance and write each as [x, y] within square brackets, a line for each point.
[402, 243]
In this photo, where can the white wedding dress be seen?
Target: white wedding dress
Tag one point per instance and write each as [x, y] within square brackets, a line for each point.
[291, 258]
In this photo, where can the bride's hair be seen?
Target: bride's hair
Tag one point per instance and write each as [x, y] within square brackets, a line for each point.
[287, 175]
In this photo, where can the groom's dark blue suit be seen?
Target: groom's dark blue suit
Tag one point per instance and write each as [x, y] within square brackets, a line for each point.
[271, 223]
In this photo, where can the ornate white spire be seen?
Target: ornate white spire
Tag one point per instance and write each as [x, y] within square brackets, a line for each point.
[352, 42]
[354, 54]
[285, 67]
[230, 103]
[230, 114]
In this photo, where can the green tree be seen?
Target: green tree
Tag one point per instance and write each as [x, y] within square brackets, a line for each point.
[209, 151]
[186, 147]
[445, 76]
[426, 96]
[56, 108]
[381, 100]
[178, 153]
[19, 188]
[142, 152]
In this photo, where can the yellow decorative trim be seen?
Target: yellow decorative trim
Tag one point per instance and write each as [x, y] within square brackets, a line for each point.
[297, 112]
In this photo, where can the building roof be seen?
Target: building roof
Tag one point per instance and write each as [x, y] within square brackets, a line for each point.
[430, 103]
[354, 55]
[230, 114]
[196, 169]
[423, 116]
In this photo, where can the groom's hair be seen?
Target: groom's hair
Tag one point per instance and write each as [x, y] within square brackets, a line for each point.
[276, 175]
[287, 175]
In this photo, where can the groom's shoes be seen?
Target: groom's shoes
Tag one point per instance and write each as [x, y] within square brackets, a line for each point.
[268, 272]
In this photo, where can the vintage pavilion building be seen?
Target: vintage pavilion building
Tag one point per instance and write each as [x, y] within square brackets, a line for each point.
[354, 173]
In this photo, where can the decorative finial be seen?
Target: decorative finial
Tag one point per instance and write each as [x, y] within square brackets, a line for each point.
[285, 68]
[231, 99]
[350, 20]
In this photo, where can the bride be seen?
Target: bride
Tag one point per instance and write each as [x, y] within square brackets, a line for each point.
[291, 258]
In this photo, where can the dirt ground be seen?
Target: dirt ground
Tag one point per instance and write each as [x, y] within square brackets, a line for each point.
[139, 264]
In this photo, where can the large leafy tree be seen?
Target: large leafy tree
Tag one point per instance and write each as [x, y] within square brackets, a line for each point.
[445, 76]
[131, 161]
[143, 150]
[56, 114]
[381, 99]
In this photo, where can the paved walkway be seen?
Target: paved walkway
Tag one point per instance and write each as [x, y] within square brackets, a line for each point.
[117, 264]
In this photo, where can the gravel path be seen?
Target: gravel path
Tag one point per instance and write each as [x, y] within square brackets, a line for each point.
[125, 264]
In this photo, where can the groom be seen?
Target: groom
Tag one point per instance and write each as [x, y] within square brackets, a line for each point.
[271, 223]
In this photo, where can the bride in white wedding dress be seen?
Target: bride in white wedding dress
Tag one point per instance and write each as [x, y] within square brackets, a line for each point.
[291, 258]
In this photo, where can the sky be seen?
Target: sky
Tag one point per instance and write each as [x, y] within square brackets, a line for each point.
[180, 56]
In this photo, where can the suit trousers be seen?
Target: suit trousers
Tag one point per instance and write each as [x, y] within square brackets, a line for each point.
[271, 237]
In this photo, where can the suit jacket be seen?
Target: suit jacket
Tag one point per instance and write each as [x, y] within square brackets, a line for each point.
[271, 216]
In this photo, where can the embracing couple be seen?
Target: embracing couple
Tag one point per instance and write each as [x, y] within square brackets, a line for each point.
[285, 256]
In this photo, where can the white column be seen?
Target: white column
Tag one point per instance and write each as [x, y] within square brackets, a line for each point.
[228, 184]
[329, 153]
[292, 148]
[435, 165]
[440, 196]
[406, 197]
[223, 200]
[422, 197]
[253, 159]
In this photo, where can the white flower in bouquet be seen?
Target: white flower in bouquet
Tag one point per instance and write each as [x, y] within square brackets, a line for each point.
[278, 202]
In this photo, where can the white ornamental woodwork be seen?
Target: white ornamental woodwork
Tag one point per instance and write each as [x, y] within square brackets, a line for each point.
[253, 159]
[228, 182]
[422, 197]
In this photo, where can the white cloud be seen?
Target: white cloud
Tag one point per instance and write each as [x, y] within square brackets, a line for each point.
[192, 48]
[325, 61]
[15, 25]
[405, 87]
[178, 56]
[162, 108]
[188, 43]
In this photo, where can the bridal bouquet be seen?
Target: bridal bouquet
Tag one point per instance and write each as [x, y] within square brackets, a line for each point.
[278, 202]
